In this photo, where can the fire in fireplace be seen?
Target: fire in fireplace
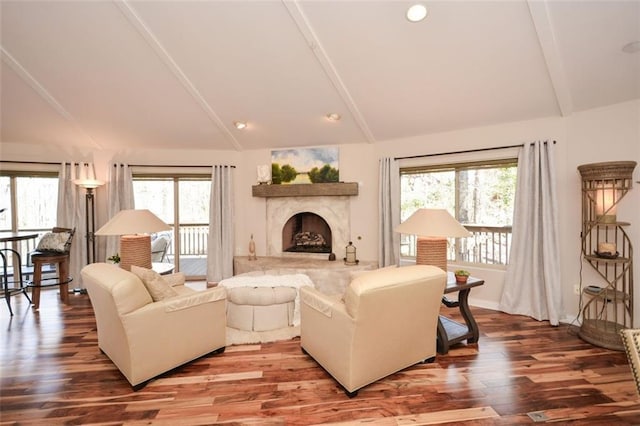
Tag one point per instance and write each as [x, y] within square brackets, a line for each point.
[306, 232]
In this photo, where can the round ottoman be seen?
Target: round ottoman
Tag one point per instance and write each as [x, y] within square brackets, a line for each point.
[260, 308]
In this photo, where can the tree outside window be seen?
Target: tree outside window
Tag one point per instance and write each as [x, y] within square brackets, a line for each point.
[479, 195]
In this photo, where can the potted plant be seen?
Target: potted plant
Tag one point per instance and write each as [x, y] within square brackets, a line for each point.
[115, 259]
[461, 276]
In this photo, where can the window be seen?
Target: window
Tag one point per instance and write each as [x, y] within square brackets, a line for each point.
[28, 202]
[479, 195]
[183, 203]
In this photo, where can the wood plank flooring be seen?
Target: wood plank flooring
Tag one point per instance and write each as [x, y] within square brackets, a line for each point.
[53, 373]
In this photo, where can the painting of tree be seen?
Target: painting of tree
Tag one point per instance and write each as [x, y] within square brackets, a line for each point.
[305, 165]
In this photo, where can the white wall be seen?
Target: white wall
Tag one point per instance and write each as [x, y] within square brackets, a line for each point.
[605, 134]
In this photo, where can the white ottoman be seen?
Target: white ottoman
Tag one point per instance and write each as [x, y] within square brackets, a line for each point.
[260, 308]
[263, 302]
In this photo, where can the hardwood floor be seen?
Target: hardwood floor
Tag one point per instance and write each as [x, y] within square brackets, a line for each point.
[53, 373]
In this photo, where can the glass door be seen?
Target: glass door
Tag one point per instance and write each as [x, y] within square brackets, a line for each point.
[182, 202]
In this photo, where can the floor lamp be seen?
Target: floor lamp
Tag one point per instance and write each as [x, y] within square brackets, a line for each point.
[90, 214]
[134, 227]
[433, 227]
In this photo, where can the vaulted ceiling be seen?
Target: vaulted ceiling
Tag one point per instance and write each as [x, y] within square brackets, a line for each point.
[177, 74]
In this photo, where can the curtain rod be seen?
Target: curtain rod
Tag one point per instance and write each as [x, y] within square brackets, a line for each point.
[170, 165]
[50, 163]
[464, 151]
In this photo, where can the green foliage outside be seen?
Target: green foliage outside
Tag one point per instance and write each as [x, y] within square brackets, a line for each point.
[482, 196]
[282, 174]
[325, 174]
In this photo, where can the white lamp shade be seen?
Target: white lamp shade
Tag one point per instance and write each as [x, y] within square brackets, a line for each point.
[88, 183]
[87, 177]
[127, 222]
[432, 223]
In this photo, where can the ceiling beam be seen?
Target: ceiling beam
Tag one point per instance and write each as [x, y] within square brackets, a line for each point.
[134, 18]
[325, 62]
[540, 15]
[44, 93]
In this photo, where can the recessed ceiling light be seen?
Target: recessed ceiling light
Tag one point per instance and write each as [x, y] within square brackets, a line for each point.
[240, 125]
[416, 13]
[632, 47]
[334, 116]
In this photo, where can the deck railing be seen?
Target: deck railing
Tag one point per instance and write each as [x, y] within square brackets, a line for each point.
[193, 240]
[487, 245]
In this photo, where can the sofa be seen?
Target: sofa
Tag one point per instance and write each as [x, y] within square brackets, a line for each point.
[146, 336]
[386, 321]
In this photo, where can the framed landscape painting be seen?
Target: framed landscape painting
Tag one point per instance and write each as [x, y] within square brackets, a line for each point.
[304, 165]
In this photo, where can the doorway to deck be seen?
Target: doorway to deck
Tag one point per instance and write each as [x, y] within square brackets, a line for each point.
[182, 202]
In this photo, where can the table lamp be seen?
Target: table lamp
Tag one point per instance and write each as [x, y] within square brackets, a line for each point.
[133, 227]
[433, 227]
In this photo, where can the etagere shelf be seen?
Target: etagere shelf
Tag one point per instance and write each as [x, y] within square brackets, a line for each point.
[606, 247]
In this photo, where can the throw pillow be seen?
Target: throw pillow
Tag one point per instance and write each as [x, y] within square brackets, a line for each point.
[157, 287]
[54, 241]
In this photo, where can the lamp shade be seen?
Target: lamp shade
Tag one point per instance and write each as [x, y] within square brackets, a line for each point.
[88, 183]
[432, 223]
[87, 178]
[127, 222]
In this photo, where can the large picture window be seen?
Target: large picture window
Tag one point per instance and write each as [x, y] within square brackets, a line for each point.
[479, 195]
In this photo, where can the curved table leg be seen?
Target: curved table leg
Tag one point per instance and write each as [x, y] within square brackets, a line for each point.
[472, 325]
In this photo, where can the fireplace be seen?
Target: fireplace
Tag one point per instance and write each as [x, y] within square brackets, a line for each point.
[325, 215]
[306, 232]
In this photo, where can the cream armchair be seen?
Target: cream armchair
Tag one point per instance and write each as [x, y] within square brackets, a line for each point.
[144, 338]
[385, 323]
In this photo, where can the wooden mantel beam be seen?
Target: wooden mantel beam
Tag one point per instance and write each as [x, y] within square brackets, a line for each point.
[306, 190]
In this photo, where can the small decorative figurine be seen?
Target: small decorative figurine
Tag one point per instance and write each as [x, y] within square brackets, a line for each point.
[252, 249]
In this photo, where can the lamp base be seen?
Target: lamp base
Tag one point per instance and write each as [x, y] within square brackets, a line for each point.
[432, 251]
[135, 250]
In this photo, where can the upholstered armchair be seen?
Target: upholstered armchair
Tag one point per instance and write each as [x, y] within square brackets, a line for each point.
[148, 324]
[631, 343]
[385, 322]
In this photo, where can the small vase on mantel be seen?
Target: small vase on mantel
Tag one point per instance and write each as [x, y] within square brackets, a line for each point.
[252, 249]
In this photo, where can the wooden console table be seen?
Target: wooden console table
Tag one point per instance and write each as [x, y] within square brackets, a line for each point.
[451, 332]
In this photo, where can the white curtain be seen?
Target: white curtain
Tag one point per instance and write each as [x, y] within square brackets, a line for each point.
[119, 197]
[221, 226]
[71, 214]
[389, 212]
[532, 279]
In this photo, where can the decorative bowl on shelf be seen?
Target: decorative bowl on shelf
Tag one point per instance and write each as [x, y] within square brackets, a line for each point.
[606, 254]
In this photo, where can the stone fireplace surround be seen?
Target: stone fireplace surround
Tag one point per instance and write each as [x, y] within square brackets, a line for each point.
[335, 210]
[331, 201]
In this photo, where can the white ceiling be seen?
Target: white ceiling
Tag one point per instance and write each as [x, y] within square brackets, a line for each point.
[177, 74]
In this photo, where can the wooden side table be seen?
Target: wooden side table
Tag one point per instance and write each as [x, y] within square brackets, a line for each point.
[451, 332]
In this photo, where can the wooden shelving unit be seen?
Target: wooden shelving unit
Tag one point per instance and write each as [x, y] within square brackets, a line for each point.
[608, 304]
